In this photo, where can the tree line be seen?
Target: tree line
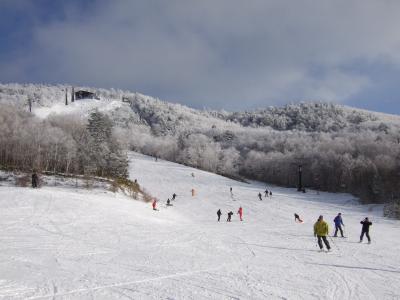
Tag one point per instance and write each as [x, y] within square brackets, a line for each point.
[62, 144]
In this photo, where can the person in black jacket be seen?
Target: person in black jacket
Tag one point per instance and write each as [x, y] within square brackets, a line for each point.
[297, 218]
[35, 179]
[365, 230]
[219, 213]
[229, 216]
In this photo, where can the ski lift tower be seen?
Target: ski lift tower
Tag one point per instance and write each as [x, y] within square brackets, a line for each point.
[300, 185]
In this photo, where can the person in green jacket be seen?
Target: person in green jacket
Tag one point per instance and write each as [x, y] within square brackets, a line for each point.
[321, 230]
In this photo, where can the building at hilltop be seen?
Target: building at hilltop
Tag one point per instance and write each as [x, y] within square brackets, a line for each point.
[79, 95]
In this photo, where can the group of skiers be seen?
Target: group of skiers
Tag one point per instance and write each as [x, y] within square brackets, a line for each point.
[321, 227]
[168, 203]
[230, 214]
[266, 194]
[321, 230]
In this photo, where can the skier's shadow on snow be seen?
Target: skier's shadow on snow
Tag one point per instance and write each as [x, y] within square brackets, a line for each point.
[354, 267]
[275, 247]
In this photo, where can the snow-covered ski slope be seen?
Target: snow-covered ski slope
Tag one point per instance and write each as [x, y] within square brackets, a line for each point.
[62, 243]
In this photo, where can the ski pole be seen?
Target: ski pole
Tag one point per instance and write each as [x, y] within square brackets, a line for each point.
[334, 243]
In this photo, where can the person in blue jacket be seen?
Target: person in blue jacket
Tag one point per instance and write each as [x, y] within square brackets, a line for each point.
[338, 224]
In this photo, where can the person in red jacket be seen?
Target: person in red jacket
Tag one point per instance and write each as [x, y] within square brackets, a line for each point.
[154, 204]
[240, 212]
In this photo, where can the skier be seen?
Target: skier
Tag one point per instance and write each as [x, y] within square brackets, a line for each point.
[229, 216]
[270, 194]
[169, 202]
[240, 212]
[260, 196]
[174, 196]
[154, 204]
[266, 193]
[35, 179]
[219, 213]
[297, 218]
[231, 191]
[338, 224]
[365, 229]
[321, 230]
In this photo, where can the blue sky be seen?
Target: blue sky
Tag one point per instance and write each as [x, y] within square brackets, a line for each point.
[222, 54]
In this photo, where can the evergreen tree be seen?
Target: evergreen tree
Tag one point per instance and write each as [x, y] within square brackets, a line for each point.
[105, 151]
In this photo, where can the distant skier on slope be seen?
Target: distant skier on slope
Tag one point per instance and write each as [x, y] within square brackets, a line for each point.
[321, 230]
[169, 202]
[266, 193]
[365, 229]
[240, 212]
[174, 196]
[219, 213]
[229, 216]
[297, 218]
[270, 194]
[338, 224]
[260, 196]
[231, 191]
[35, 179]
[154, 204]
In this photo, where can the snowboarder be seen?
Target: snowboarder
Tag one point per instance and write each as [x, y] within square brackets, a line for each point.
[169, 202]
[266, 193]
[229, 216]
[297, 218]
[35, 180]
[219, 213]
[365, 229]
[174, 196]
[240, 212]
[260, 196]
[338, 224]
[154, 204]
[321, 230]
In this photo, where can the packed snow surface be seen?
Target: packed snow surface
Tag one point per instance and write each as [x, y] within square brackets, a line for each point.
[66, 243]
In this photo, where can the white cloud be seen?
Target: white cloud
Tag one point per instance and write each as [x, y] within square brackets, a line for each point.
[226, 53]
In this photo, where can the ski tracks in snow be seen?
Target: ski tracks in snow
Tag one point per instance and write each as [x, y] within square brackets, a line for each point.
[120, 284]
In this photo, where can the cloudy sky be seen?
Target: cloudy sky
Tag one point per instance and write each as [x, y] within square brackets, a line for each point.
[216, 54]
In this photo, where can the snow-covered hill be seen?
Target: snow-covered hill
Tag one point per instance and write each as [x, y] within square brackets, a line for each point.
[341, 149]
[62, 243]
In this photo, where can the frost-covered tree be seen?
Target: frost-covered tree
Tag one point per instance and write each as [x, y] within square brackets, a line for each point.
[105, 153]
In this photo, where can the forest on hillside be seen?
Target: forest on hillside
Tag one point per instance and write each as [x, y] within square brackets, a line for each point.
[340, 149]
